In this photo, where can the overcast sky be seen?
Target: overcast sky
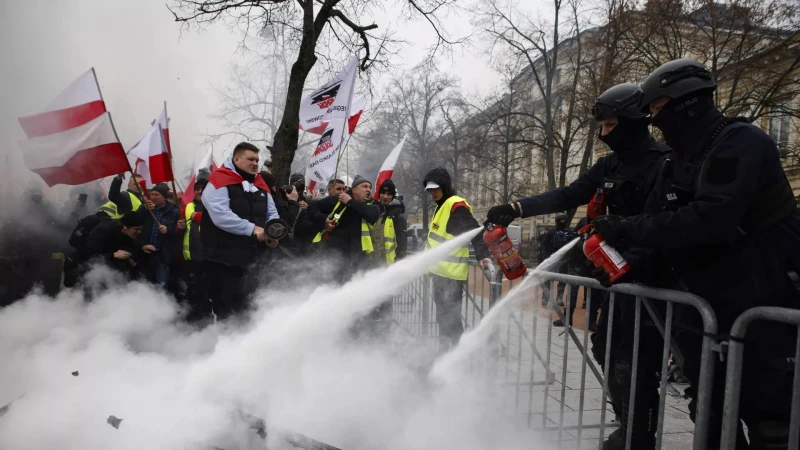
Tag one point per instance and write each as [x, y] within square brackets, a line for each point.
[142, 59]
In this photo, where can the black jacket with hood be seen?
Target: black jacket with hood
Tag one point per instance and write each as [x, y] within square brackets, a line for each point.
[461, 219]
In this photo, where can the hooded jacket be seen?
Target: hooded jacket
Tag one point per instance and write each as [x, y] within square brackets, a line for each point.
[461, 219]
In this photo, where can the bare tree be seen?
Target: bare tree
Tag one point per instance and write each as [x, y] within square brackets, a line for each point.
[553, 53]
[316, 25]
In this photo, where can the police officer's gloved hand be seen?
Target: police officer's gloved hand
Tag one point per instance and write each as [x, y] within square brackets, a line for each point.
[611, 227]
[600, 275]
[502, 215]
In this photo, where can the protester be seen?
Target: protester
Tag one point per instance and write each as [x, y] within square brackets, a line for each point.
[295, 212]
[390, 242]
[121, 202]
[453, 216]
[160, 219]
[336, 187]
[199, 306]
[343, 223]
[729, 224]
[237, 205]
[115, 243]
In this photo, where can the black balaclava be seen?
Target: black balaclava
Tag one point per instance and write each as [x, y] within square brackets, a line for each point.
[627, 135]
[247, 176]
[684, 121]
[561, 221]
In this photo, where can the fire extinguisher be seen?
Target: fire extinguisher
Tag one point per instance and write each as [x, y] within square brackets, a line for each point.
[503, 251]
[603, 255]
[597, 205]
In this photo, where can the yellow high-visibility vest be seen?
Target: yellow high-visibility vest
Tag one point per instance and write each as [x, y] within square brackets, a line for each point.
[366, 239]
[110, 207]
[187, 253]
[455, 266]
[389, 240]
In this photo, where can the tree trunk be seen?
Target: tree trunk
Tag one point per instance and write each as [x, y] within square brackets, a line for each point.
[285, 140]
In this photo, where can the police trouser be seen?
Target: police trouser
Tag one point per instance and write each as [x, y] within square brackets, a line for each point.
[447, 294]
[766, 383]
[620, 371]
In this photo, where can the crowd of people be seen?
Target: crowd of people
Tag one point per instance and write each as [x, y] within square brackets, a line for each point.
[215, 252]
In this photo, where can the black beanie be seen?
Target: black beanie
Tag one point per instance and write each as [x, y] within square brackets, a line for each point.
[131, 219]
[162, 189]
[388, 187]
[297, 177]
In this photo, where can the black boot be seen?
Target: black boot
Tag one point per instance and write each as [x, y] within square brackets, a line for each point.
[645, 417]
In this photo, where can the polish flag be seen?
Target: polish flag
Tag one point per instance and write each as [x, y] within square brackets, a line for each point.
[74, 140]
[206, 163]
[355, 114]
[152, 159]
[160, 171]
[387, 169]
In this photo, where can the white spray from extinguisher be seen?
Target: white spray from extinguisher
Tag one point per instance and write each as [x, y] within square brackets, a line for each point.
[446, 367]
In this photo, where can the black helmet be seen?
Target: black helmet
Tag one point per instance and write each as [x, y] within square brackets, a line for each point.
[621, 100]
[674, 80]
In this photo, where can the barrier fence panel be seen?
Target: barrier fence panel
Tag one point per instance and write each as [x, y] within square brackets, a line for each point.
[733, 376]
[538, 364]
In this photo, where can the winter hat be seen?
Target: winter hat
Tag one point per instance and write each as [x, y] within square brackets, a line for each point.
[131, 219]
[201, 183]
[360, 180]
[439, 177]
[388, 187]
[162, 189]
[297, 177]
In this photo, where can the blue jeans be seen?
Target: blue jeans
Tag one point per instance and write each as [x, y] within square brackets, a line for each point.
[160, 275]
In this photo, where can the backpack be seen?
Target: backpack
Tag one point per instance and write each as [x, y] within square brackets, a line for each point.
[561, 238]
[80, 234]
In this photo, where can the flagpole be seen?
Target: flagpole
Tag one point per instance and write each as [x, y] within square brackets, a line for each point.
[169, 150]
[346, 125]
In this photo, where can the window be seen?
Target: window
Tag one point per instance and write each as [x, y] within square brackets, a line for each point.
[778, 124]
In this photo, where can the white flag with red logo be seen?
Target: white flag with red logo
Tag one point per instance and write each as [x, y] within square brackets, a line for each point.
[356, 108]
[387, 169]
[73, 141]
[152, 159]
[330, 101]
[323, 161]
[206, 163]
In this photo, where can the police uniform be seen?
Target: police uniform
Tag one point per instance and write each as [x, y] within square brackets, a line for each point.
[726, 217]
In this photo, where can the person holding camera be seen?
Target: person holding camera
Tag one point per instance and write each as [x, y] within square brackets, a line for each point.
[115, 243]
[293, 208]
[344, 223]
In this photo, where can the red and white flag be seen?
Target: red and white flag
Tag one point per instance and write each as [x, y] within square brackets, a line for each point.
[330, 101]
[152, 159]
[322, 165]
[387, 169]
[356, 109]
[206, 163]
[73, 141]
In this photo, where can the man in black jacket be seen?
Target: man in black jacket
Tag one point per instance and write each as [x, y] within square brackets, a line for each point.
[626, 178]
[121, 202]
[344, 223]
[392, 209]
[115, 243]
[159, 237]
[453, 216]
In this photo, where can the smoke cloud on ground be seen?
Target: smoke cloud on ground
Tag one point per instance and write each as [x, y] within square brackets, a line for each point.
[174, 386]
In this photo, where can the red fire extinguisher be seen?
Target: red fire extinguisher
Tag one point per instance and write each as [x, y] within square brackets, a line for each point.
[603, 255]
[597, 205]
[503, 251]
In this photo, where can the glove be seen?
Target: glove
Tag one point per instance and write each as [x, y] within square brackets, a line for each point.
[600, 275]
[502, 215]
[611, 227]
[197, 217]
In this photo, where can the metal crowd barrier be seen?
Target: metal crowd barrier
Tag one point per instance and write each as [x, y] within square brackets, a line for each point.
[733, 375]
[526, 344]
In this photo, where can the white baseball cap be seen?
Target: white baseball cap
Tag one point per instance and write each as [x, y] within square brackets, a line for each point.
[431, 185]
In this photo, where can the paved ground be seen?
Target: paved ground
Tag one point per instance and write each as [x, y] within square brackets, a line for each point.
[546, 404]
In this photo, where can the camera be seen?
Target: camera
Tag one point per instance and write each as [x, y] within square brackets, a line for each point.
[299, 185]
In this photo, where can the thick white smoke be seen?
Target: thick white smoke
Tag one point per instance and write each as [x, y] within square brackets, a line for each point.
[176, 387]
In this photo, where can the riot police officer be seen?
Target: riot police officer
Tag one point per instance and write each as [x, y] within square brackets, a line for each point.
[729, 222]
[626, 178]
